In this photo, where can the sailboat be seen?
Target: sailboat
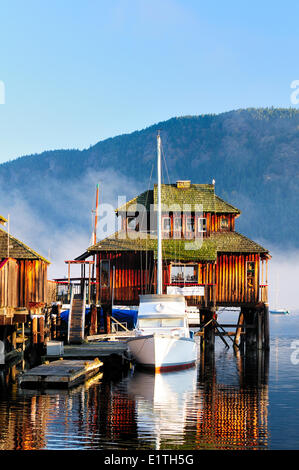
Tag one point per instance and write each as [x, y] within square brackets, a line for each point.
[276, 310]
[162, 340]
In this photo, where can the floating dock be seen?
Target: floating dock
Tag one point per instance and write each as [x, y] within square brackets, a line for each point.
[61, 373]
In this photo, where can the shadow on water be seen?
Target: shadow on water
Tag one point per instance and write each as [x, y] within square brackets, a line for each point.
[220, 404]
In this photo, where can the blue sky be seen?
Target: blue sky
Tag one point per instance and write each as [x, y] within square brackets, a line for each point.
[76, 72]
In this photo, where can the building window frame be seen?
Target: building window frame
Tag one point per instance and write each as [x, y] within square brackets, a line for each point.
[202, 224]
[105, 273]
[182, 273]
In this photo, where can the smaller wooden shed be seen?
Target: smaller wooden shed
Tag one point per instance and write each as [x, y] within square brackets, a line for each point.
[23, 279]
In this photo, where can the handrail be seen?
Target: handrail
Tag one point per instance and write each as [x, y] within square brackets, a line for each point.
[83, 310]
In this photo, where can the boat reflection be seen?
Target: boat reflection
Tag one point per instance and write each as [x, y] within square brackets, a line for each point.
[162, 402]
[220, 404]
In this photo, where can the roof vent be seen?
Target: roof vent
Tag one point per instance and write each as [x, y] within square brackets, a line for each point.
[183, 184]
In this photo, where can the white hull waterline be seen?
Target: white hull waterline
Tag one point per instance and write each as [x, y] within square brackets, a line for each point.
[162, 352]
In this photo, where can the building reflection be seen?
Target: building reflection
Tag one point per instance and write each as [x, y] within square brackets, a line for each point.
[200, 408]
[234, 417]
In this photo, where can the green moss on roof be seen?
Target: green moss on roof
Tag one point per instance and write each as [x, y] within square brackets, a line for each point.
[17, 249]
[218, 242]
[145, 199]
[194, 196]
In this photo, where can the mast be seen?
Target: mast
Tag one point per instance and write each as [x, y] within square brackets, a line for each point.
[96, 216]
[95, 240]
[159, 221]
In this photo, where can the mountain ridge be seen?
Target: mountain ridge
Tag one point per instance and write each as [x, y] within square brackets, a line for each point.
[253, 154]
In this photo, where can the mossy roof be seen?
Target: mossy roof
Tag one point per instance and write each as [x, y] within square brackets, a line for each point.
[194, 196]
[179, 249]
[17, 249]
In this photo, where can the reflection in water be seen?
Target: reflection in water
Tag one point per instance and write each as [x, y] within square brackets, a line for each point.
[221, 404]
[235, 417]
[162, 402]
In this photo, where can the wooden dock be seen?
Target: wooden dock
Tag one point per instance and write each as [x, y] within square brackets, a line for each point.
[91, 350]
[61, 373]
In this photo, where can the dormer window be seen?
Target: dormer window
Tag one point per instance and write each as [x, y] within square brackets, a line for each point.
[202, 224]
[166, 225]
[190, 224]
[177, 222]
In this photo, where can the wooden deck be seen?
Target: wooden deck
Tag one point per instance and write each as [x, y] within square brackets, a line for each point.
[61, 373]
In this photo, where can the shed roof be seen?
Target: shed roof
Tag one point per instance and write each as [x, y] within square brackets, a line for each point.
[181, 249]
[17, 249]
[3, 220]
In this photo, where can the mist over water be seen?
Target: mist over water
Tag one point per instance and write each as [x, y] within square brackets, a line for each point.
[283, 279]
[62, 228]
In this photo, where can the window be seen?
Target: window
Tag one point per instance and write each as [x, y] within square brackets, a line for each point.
[224, 223]
[177, 224]
[202, 224]
[184, 273]
[190, 224]
[171, 322]
[104, 273]
[166, 224]
[149, 322]
[250, 273]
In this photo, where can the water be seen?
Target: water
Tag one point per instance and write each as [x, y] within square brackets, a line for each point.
[228, 403]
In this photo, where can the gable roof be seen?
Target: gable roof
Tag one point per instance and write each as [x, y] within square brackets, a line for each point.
[181, 249]
[194, 196]
[17, 249]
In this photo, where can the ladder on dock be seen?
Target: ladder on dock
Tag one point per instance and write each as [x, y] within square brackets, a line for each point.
[76, 322]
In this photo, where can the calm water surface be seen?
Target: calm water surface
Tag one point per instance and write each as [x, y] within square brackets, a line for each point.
[229, 402]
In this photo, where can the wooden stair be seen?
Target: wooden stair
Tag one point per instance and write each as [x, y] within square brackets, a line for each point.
[76, 320]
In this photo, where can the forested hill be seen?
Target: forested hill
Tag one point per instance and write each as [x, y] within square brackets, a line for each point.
[253, 155]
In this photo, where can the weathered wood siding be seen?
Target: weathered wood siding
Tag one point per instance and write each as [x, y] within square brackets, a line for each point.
[133, 275]
[8, 283]
[232, 278]
[229, 281]
[32, 280]
[27, 282]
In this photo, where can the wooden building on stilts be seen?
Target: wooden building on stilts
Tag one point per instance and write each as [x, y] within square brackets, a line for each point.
[204, 259]
[23, 286]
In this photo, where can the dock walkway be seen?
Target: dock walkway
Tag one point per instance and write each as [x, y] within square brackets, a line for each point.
[61, 373]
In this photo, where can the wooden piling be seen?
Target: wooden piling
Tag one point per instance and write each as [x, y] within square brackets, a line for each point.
[209, 330]
[107, 312]
[93, 320]
[239, 328]
[34, 330]
[266, 327]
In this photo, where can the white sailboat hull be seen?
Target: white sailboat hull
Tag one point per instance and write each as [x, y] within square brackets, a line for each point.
[163, 352]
